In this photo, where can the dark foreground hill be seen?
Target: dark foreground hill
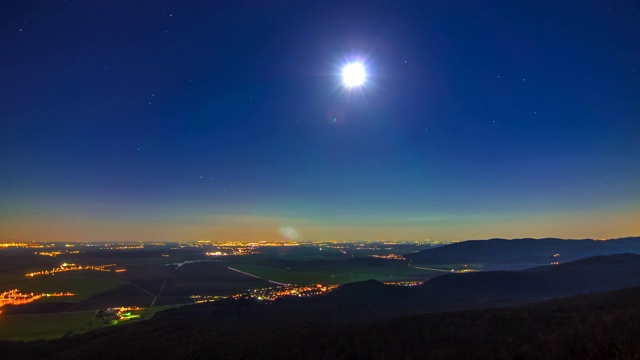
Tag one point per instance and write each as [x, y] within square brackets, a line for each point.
[596, 326]
[522, 253]
[369, 320]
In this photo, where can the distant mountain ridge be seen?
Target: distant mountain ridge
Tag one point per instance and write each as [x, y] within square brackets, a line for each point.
[457, 291]
[595, 274]
[523, 253]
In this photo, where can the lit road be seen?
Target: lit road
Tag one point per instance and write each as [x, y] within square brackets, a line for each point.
[159, 292]
[142, 289]
[91, 321]
[257, 277]
[432, 269]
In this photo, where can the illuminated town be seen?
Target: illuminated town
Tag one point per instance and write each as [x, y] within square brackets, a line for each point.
[389, 257]
[56, 253]
[73, 267]
[404, 283]
[463, 270]
[271, 293]
[274, 293]
[31, 245]
[123, 246]
[16, 297]
[116, 314]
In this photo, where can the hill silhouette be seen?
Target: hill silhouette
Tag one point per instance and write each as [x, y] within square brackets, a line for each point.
[522, 253]
[499, 288]
[595, 326]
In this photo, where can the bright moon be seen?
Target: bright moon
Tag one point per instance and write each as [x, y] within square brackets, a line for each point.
[353, 74]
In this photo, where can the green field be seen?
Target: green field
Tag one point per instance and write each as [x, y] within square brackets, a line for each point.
[338, 275]
[9, 278]
[83, 284]
[43, 326]
[27, 327]
[448, 267]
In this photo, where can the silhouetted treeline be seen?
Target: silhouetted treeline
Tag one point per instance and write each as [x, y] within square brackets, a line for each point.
[596, 326]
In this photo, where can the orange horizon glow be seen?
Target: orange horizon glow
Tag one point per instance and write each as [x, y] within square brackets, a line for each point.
[240, 228]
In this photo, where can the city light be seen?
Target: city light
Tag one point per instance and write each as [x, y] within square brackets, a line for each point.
[16, 297]
[73, 267]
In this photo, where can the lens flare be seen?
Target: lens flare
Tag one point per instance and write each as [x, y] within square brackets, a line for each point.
[289, 232]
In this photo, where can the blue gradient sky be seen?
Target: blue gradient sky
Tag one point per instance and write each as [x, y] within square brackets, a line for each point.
[167, 120]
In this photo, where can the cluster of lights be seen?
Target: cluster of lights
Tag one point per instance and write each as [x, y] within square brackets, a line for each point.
[123, 247]
[234, 247]
[16, 297]
[198, 299]
[217, 253]
[242, 248]
[240, 251]
[31, 245]
[271, 294]
[117, 314]
[72, 267]
[466, 270]
[234, 244]
[389, 257]
[56, 253]
[364, 246]
[404, 283]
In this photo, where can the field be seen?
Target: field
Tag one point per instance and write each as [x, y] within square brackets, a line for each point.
[82, 284]
[43, 326]
[341, 274]
[161, 277]
[25, 327]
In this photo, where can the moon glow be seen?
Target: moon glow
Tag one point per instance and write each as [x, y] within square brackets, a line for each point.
[354, 74]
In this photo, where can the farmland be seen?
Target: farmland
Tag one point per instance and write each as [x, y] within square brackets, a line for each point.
[153, 277]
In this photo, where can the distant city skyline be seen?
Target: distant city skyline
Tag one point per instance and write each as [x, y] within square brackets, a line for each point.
[171, 121]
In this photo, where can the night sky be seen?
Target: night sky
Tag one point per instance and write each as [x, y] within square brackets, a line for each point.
[206, 120]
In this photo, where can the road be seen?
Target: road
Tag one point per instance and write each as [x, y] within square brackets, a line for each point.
[159, 292]
[257, 277]
[432, 269]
